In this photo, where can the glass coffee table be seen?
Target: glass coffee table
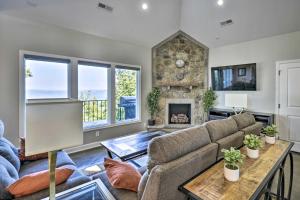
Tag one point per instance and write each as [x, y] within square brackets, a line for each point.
[94, 190]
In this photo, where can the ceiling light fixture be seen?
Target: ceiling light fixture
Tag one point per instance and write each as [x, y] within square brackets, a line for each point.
[145, 6]
[220, 2]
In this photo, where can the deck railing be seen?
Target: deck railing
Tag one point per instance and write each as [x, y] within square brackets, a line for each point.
[96, 110]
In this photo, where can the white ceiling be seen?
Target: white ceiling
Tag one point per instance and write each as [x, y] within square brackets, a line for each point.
[252, 19]
[200, 18]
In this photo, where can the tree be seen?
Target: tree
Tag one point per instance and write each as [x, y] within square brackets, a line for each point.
[125, 86]
[28, 73]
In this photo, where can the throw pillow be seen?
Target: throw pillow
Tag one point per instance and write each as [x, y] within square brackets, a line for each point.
[22, 156]
[122, 175]
[38, 181]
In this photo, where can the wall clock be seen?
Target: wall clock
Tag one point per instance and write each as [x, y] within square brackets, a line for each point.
[180, 63]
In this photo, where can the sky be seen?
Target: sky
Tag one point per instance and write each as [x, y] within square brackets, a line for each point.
[53, 76]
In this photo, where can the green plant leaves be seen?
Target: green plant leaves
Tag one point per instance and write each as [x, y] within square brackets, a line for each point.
[232, 158]
[208, 100]
[252, 141]
[153, 101]
[270, 131]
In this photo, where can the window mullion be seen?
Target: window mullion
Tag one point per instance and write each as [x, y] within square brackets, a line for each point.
[112, 97]
[73, 79]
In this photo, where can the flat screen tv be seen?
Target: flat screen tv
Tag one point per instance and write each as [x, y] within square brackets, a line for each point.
[234, 77]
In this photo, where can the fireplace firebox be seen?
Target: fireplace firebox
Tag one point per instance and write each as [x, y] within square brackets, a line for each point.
[179, 113]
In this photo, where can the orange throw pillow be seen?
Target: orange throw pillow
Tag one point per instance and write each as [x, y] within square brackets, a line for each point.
[122, 175]
[38, 181]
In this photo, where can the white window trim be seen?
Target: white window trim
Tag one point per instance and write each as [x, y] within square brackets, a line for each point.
[73, 89]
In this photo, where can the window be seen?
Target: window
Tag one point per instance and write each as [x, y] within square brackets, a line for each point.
[46, 78]
[126, 93]
[110, 92]
[93, 91]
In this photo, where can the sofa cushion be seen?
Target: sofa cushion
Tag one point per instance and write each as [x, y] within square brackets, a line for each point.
[234, 140]
[219, 129]
[8, 175]
[40, 165]
[119, 194]
[9, 153]
[253, 129]
[169, 147]
[243, 120]
[13, 147]
[1, 129]
[142, 185]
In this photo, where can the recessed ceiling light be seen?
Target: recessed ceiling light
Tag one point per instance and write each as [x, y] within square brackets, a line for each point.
[220, 2]
[145, 6]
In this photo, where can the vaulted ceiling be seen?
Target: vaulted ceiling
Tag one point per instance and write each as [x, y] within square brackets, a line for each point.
[252, 19]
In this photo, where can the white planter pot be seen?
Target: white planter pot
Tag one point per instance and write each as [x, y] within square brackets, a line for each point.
[270, 140]
[252, 153]
[231, 175]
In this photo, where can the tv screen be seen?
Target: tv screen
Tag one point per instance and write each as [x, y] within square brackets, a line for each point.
[234, 77]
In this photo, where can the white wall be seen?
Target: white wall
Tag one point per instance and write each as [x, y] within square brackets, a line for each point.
[265, 52]
[16, 34]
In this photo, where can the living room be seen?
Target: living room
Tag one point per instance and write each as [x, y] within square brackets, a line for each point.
[111, 56]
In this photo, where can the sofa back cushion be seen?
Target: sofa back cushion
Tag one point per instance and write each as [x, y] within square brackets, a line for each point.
[9, 153]
[243, 120]
[219, 129]
[169, 147]
[8, 175]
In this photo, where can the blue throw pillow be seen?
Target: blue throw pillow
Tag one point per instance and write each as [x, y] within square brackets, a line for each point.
[8, 153]
[8, 176]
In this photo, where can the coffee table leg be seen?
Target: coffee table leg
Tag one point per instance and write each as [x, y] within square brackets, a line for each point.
[109, 153]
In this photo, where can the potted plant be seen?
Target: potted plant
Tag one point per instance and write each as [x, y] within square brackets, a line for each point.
[232, 159]
[270, 132]
[208, 99]
[253, 143]
[153, 104]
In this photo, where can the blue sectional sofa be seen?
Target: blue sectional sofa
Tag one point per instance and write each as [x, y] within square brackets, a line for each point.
[11, 169]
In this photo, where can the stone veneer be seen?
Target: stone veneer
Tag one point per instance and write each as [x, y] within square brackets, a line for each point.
[188, 82]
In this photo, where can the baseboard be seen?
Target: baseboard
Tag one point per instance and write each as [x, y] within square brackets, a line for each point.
[296, 147]
[83, 147]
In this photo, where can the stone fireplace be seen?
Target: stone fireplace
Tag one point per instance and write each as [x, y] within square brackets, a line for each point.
[179, 70]
[179, 112]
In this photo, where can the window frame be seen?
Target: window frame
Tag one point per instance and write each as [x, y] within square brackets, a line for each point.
[73, 89]
[94, 63]
[45, 58]
[138, 92]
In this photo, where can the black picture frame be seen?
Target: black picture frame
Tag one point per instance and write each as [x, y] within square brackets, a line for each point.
[242, 71]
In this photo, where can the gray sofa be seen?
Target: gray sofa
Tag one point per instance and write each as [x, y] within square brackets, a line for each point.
[177, 157]
[12, 169]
